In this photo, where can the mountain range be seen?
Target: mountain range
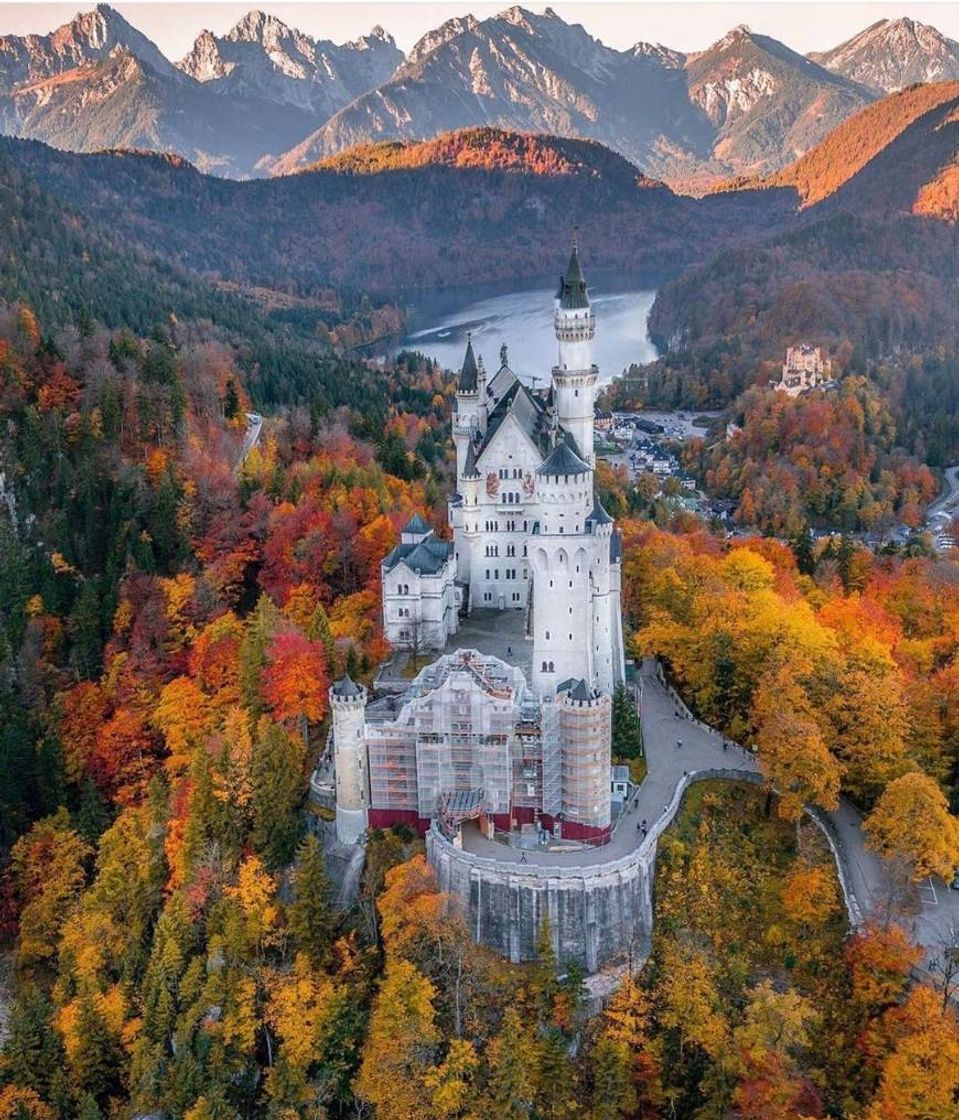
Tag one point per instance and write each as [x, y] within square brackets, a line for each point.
[268, 99]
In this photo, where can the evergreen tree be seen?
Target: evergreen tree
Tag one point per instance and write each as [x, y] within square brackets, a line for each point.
[231, 400]
[627, 730]
[277, 778]
[309, 915]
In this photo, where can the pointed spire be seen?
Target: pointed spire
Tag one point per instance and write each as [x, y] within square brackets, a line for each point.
[503, 356]
[469, 373]
[573, 295]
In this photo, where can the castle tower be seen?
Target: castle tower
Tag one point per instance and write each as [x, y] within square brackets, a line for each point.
[559, 554]
[469, 415]
[574, 376]
[348, 705]
[585, 723]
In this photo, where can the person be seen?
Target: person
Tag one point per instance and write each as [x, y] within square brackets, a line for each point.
[522, 857]
[509, 651]
[679, 743]
[725, 744]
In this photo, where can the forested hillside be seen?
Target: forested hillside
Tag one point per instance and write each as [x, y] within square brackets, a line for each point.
[170, 621]
[471, 208]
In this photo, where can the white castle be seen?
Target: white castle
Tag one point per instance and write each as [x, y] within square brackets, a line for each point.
[528, 531]
[472, 738]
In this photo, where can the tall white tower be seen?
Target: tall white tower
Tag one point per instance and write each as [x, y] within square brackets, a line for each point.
[560, 553]
[348, 704]
[574, 377]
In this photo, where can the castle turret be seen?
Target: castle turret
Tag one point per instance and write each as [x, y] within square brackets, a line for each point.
[470, 413]
[574, 376]
[559, 554]
[348, 705]
[585, 721]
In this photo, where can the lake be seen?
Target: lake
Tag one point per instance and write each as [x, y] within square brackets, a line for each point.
[524, 321]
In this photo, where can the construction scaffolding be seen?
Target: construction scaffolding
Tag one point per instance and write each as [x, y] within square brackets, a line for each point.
[586, 732]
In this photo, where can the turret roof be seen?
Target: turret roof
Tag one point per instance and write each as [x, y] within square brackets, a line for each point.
[346, 687]
[416, 525]
[599, 515]
[562, 460]
[573, 295]
[581, 692]
[468, 378]
[615, 546]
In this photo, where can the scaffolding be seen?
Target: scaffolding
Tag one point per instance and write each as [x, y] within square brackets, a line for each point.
[586, 733]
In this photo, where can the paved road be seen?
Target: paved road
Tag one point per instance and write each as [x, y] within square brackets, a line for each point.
[255, 421]
[665, 720]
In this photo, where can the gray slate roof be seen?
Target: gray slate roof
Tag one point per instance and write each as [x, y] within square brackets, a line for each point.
[416, 525]
[346, 687]
[615, 546]
[468, 374]
[563, 460]
[426, 558]
[526, 410]
[599, 516]
[573, 295]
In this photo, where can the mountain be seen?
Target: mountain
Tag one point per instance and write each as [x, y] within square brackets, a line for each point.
[747, 103]
[766, 103]
[523, 72]
[476, 207]
[914, 133]
[96, 82]
[892, 54]
[88, 37]
[121, 102]
[261, 57]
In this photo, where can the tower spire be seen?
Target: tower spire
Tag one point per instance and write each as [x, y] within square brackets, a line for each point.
[469, 374]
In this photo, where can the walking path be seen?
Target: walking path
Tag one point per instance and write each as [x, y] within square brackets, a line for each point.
[665, 721]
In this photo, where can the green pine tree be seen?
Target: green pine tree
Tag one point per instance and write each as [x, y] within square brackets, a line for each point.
[309, 915]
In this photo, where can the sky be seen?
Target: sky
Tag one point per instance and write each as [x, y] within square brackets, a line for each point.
[687, 25]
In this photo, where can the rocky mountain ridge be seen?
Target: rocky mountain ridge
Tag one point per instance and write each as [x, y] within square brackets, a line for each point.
[265, 98]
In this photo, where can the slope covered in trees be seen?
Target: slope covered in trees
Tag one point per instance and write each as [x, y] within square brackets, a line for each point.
[170, 623]
[469, 208]
[857, 141]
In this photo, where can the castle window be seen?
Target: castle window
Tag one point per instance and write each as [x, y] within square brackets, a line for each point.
[544, 667]
[547, 635]
[551, 666]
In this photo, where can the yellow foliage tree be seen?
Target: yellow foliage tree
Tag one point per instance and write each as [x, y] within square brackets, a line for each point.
[912, 819]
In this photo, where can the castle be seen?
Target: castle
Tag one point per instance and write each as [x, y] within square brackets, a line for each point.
[472, 738]
[804, 368]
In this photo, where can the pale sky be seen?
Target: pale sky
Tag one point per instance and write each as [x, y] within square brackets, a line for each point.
[687, 25]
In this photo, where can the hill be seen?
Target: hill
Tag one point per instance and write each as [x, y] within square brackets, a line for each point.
[404, 219]
[912, 132]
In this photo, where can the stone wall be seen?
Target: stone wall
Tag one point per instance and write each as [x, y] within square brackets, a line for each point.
[596, 912]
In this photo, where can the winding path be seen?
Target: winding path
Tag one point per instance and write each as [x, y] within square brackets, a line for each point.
[671, 768]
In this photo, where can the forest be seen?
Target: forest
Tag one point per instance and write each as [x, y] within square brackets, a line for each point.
[170, 618]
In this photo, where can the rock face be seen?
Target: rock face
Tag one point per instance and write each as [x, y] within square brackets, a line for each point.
[97, 82]
[892, 54]
[262, 57]
[747, 104]
[88, 37]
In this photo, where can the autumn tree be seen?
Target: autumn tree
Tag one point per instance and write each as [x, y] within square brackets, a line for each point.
[397, 1056]
[295, 684]
[793, 757]
[912, 819]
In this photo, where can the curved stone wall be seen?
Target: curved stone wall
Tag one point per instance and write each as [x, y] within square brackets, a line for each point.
[595, 912]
